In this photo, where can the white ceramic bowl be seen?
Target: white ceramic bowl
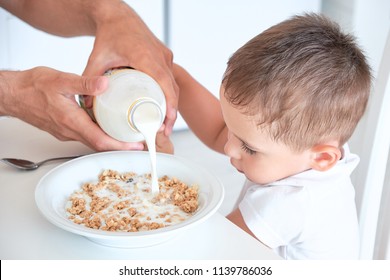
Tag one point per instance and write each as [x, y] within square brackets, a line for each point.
[54, 189]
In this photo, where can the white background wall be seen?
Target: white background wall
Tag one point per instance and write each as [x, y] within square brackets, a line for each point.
[206, 33]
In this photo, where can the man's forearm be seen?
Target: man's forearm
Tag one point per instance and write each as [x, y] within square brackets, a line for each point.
[63, 17]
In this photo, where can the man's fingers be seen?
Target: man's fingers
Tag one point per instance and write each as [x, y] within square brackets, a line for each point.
[93, 85]
[91, 135]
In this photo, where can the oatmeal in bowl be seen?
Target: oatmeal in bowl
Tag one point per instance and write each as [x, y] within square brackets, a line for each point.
[123, 202]
[106, 197]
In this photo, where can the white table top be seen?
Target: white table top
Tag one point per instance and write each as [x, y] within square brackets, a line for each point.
[26, 234]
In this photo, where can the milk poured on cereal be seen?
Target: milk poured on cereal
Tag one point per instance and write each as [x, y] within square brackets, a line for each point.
[147, 120]
[132, 109]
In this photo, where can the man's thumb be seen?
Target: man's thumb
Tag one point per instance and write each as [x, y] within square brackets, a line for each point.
[93, 85]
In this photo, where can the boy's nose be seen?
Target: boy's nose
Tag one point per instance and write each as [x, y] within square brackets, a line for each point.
[231, 149]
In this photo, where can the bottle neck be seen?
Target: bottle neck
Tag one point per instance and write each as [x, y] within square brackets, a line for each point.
[144, 110]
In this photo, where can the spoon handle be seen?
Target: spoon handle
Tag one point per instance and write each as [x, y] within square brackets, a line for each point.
[58, 158]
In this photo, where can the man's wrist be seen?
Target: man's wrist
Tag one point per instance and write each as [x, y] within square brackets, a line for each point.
[103, 12]
[4, 90]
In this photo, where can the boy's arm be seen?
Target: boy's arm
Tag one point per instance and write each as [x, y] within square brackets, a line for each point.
[236, 218]
[201, 110]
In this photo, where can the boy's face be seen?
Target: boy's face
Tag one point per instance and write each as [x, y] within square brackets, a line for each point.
[254, 153]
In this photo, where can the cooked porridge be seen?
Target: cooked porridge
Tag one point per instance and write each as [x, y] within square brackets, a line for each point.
[123, 202]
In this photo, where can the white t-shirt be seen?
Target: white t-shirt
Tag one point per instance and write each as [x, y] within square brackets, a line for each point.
[311, 215]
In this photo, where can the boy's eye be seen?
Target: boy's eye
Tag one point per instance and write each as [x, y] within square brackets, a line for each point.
[246, 149]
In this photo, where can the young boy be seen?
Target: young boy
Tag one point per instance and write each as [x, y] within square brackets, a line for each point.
[290, 99]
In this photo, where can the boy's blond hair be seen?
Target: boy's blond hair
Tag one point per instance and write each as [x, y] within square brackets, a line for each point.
[303, 80]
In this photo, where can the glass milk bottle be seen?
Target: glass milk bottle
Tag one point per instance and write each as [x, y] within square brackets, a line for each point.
[132, 98]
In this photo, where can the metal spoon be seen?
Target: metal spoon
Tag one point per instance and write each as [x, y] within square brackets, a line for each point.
[29, 165]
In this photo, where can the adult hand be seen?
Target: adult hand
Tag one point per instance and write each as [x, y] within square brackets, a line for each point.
[122, 39]
[45, 98]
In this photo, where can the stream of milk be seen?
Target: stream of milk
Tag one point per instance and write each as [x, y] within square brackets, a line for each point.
[147, 119]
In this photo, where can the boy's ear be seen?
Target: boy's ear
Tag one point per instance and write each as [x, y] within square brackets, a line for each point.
[324, 157]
